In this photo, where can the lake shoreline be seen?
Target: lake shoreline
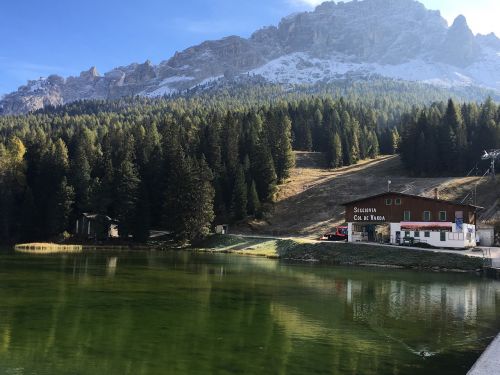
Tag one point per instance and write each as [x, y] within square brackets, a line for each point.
[296, 250]
[342, 254]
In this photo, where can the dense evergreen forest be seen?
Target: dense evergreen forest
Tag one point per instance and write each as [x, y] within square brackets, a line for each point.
[184, 165]
[179, 165]
[449, 139]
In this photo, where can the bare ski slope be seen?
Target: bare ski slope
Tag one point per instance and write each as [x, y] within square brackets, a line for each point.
[310, 203]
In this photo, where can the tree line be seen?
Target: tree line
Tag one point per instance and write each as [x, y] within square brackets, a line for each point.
[180, 165]
[449, 139]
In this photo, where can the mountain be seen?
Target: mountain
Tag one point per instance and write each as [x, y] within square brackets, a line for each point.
[397, 39]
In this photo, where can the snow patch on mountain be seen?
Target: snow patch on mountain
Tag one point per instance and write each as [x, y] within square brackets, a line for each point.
[365, 39]
[36, 85]
[176, 79]
[301, 68]
[209, 80]
[166, 87]
[162, 91]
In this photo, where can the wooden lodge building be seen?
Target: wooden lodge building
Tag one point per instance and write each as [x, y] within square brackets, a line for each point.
[399, 218]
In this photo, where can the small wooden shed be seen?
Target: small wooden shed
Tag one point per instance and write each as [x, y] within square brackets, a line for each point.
[99, 227]
[222, 229]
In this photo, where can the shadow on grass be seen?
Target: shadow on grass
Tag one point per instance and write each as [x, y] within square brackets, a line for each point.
[357, 254]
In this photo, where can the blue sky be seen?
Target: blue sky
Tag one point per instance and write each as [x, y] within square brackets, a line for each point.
[41, 37]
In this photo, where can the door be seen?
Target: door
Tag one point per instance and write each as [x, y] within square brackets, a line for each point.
[370, 230]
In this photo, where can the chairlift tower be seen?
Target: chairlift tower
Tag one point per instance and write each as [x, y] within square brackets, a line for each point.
[492, 155]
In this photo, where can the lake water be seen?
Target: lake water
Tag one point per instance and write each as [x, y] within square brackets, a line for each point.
[181, 313]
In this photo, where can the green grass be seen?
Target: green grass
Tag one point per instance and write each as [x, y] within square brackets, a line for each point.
[218, 241]
[357, 254]
[339, 253]
[238, 245]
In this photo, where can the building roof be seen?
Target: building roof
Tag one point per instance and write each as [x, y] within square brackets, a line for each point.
[403, 195]
[93, 216]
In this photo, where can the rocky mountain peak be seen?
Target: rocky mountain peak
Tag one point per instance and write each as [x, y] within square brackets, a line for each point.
[398, 39]
[460, 48]
[460, 24]
[90, 74]
[461, 30]
[490, 41]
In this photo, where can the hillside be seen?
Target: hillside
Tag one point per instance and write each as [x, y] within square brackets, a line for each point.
[358, 40]
[309, 204]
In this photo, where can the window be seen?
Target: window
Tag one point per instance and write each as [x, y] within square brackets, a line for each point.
[427, 234]
[407, 234]
[427, 216]
[417, 234]
[407, 216]
[397, 201]
[442, 215]
[388, 202]
[443, 236]
[456, 236]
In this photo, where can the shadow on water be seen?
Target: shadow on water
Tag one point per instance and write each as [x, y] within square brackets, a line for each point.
[181, 313]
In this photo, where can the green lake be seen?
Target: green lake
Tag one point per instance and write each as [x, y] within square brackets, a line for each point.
[183, 313]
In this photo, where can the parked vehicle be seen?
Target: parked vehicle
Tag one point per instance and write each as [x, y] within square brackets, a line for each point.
[340, 234]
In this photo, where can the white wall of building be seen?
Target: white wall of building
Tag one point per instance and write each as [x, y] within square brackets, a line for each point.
[355, 236]
[454, 239]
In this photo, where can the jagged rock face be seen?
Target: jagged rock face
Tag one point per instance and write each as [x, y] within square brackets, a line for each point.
[369, 31]
[489, 41]
[393, 38]
[215, 57]
[460, 48]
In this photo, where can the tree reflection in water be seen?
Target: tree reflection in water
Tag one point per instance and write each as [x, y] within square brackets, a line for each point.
[179, 313]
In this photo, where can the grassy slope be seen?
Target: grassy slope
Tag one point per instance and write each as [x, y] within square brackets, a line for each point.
[356, 254]
[309, 204]
[339, 253]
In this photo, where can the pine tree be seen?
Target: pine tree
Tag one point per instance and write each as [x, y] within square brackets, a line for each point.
[334, 151]
[12, 185]
[253, 203]
[59, 211]
[188, 208]
[28, 225]
[395, 141]
[278, 136]
[142, 214]
[202, 213]
[264, 173]
[337, 151]
[126, 195]
[373, 145]
[453, 120]
[81, 179]
[239, 200]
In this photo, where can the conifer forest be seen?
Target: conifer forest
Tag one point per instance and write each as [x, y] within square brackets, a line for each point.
[184, 165]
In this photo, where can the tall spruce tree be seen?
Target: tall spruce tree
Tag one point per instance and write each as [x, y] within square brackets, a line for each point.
[264, 173]
[188, 208]
[60, 204]
[253, 203]
[142, 215]
[240, 199]
[127, 189]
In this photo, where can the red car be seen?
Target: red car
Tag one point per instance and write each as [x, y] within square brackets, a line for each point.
[340, 234]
